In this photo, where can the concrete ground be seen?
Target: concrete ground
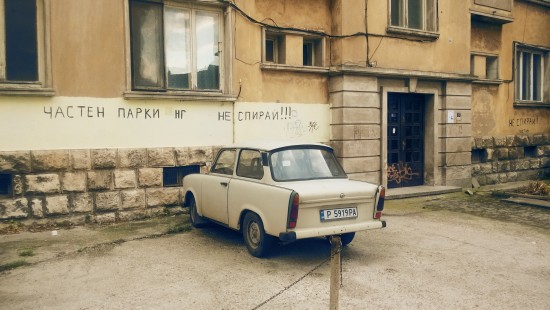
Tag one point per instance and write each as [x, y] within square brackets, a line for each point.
[450, 251]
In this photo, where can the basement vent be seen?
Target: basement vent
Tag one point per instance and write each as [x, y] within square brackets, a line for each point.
[5, 185]
[479, 156]
[172, 176]
[530, 151]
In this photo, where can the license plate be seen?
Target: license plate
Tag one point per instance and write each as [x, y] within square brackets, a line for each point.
[336, 214]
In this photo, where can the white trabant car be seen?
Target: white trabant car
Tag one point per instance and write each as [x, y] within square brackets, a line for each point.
[282, 191]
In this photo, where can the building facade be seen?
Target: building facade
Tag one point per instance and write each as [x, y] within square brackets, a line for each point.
[102, 114]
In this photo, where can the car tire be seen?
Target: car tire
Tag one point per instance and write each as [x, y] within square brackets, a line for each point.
[347, 238]
[257, 241]
[197, 221]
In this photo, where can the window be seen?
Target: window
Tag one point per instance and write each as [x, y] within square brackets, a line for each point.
[277, 46]
[484, 66]
[414, 14]
[274, 50]
[530, 64]
[173, 176]
[225, 163]
[5, 185]
[305, 164]
[491, 67]
[250, 165]
[313, 52]
[175, 46]
[21, 44]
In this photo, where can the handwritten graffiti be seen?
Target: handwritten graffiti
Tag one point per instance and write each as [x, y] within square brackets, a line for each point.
[400, 172]
[295, 129]
[285, 113]
[523, 121]
[313, 126]
[71, 111]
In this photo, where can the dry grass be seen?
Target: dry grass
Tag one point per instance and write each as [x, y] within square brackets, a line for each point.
[536, 188]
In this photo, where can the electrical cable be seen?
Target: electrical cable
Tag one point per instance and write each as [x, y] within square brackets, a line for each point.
[235, 48]
[314, 32]
[367, 31]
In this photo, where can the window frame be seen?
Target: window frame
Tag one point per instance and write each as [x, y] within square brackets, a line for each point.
[180, 172]
[492, 64]
[6, 185]
[279, 47]
[239, 166]
[427, 30]
[544, 69]
[43, 85]
[225, 49]
[232, 167]
[275, 50]
[318, 52]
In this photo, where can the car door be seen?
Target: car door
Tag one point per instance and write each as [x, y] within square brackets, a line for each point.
[216, 187]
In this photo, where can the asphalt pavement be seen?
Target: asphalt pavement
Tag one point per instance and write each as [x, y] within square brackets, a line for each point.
[452, 251]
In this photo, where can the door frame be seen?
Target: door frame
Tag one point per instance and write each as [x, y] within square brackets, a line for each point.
[431, 134]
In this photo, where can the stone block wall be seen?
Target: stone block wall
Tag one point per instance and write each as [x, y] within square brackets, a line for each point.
[356, 125]
[97, 185]
[511, 158]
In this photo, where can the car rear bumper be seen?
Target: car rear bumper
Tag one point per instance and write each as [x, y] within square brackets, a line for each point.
[303, 233]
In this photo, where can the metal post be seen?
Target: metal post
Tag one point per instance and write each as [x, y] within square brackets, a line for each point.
[335, 247]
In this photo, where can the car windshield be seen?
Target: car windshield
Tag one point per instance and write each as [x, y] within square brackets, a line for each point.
[305, 164]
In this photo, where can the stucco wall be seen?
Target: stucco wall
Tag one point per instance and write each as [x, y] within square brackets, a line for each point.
[494, 113]
[448, 53]
[88, 48]
[265, 85]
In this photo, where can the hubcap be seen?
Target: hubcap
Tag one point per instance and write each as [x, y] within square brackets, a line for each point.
[254, 234]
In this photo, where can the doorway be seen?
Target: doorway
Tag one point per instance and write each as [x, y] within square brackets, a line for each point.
[405, 139]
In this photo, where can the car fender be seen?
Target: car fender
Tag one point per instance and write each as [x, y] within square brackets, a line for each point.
[269, 202]
[195, 190]
[251, 208]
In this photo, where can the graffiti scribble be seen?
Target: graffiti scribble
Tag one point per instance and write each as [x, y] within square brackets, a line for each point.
[313, 126]
[400, 172]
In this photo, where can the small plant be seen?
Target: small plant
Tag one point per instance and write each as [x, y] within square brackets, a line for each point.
[13, 265]
[179, 228]
[536, 188]
[12, 227]
[27, 252]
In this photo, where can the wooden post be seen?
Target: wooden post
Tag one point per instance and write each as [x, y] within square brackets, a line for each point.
[335, 247]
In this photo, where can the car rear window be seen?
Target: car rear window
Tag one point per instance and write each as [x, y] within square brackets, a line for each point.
[305, 164]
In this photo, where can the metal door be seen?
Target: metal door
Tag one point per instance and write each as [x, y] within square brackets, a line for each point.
[405, 140]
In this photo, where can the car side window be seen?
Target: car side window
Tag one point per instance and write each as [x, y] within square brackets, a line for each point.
[250, 165]
[225, 163]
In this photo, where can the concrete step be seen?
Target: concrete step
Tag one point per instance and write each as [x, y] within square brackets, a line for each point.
[529, 202]
[419, 191]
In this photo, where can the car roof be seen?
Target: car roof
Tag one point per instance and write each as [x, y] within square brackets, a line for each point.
[269, 145]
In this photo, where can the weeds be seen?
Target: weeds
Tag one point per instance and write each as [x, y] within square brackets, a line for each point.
[179, 228]
[13, 265]
[27, 252]
[536, 188]
[12, 227]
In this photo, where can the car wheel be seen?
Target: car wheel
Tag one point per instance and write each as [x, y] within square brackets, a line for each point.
[196, 220]
[257, 241]
[347, 238]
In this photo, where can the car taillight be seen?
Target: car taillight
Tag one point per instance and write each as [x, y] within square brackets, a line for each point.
[293, 210]
[380, 205]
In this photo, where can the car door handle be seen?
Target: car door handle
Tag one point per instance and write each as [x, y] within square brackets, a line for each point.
[224, 184]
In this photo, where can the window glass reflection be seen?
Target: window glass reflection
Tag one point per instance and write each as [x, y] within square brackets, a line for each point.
[208, 59]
